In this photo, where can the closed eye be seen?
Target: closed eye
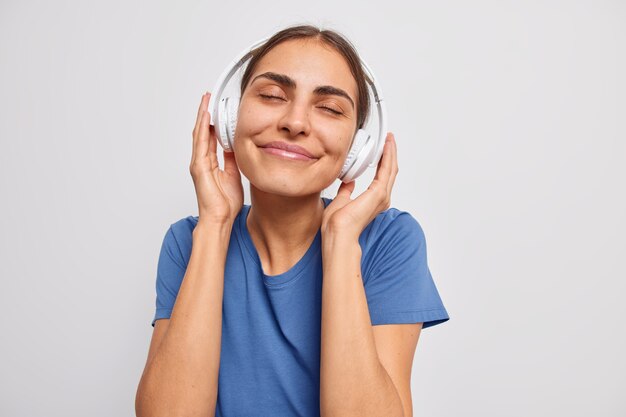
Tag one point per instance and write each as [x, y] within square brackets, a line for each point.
[330, 110]
[266, 96]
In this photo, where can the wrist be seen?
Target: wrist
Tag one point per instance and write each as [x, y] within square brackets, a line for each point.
[217, 229]
[343, 244]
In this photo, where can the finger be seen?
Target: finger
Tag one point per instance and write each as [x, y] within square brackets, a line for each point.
[196, 129]
[394, 165]
[204, 103]
[212, 145]
[382, 157]
[345, 190]
[230, 164]
[383, 169]
[203, 138]
[378, 191]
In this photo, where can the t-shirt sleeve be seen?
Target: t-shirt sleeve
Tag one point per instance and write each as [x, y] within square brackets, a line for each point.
[171, 269]
[400, 288]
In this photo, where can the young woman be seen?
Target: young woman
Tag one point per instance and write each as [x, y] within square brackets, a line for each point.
[295, 305]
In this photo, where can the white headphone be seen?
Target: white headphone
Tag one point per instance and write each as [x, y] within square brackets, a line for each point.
[366, 149]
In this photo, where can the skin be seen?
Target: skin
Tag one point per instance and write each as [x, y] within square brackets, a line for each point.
[286, 209]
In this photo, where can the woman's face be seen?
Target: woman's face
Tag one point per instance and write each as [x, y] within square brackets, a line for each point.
[313, 106]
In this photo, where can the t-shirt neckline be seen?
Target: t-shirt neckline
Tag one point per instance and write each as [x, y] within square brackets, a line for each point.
[296, 270]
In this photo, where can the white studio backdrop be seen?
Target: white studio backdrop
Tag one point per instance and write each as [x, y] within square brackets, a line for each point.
[509, 119]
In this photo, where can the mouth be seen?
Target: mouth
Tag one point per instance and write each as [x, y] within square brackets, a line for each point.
[288, 151]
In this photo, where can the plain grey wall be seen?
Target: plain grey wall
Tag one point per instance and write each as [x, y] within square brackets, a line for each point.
[509, 118]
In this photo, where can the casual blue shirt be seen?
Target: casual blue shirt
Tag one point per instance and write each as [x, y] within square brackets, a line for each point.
[271, 325]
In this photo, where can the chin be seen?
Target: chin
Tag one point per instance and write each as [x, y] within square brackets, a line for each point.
[285, 185]
[290, 189]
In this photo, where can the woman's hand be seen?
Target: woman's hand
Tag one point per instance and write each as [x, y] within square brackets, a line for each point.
[219, 193]
[349, 218]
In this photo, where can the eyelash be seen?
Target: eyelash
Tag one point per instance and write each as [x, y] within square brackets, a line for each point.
[332, 111]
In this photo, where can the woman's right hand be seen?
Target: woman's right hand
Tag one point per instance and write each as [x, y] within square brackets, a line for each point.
[219, 192]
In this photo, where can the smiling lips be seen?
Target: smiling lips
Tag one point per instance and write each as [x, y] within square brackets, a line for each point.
[288, 151]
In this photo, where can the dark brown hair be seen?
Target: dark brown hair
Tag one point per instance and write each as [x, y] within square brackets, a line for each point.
[330, 38]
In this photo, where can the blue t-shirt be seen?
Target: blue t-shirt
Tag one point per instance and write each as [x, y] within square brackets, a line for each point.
[271, 325]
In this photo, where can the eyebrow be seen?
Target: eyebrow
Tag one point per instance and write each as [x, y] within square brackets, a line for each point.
[286, 81]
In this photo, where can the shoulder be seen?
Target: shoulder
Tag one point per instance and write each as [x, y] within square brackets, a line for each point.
[180, 234]
[179, 238]
[184, 226]
[181, 231]
[391, 225]
[390, 239]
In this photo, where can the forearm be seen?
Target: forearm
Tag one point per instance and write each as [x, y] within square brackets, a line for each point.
[353, 382]
[182, 378]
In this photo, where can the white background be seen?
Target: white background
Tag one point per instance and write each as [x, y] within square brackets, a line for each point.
[510, 124]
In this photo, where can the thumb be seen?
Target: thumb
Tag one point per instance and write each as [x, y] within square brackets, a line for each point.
[345, 189]
[230, 163]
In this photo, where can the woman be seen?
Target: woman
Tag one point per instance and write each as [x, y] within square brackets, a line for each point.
[295, 304]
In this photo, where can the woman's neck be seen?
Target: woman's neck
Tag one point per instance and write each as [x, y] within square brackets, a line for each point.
[283, 228]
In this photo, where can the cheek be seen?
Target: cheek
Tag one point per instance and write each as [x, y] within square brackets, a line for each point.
[250, 120]
[245, 119]
[341, 146]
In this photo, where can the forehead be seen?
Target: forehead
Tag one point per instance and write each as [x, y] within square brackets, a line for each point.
[310, 63]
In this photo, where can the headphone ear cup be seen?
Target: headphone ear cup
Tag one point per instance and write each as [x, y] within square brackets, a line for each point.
[356, 159]
[232, 109]
[227, 122]
[221, 124]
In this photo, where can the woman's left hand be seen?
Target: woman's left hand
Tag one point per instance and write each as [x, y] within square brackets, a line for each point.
[349, 218]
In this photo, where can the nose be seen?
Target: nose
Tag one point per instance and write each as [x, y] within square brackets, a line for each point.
[295, 120]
